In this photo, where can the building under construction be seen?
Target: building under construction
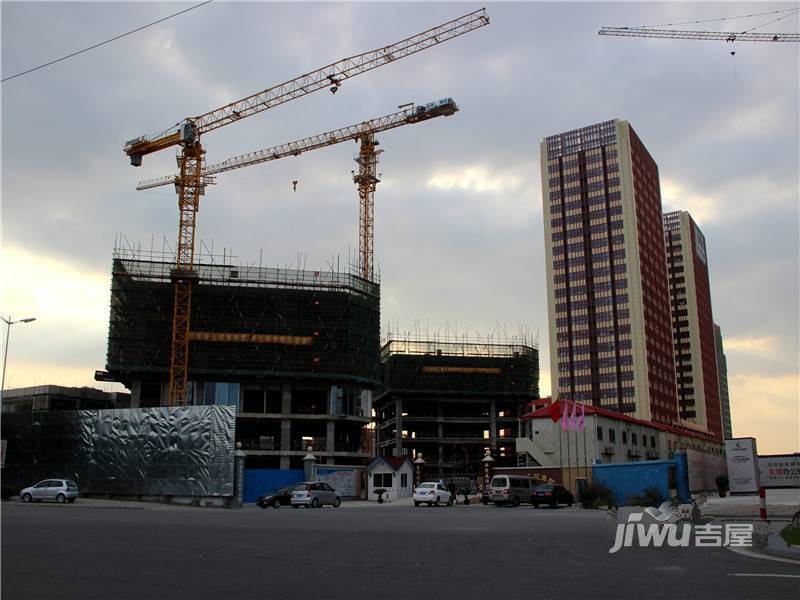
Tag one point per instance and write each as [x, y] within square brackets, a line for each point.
[451, 401]
[295, 351]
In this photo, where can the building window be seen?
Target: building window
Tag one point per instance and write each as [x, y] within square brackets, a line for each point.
[652, 441]
[599, 433]
[404, 480]
[612, 435]
[382, 480]
[624, 437]
[633, 439]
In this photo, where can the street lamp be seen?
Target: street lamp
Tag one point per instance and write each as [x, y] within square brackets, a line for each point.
[9, 323]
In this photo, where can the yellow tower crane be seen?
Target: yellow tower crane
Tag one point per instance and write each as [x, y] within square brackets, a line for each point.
[189, 183]
[365, 178]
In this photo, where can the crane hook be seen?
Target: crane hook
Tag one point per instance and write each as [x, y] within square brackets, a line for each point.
[294, 185]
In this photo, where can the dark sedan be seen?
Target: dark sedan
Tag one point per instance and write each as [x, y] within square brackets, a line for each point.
[551, 495]
[280, 497]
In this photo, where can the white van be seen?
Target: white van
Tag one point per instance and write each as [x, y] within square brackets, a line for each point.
[511, 489]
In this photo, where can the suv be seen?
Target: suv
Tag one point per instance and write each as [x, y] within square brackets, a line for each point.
[315, 494]
[60, 490]
[510, 489]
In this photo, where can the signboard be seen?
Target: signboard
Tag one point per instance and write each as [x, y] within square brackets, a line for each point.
[342, 480]
[741, 455]
[779, 470]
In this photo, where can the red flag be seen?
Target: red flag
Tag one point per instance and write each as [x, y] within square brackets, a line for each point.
[554, 412]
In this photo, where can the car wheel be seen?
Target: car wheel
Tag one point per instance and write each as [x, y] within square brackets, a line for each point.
[61, 498]
[315, 503]
[569, 503]
[438, 501]
[553, 504]
[26, 497]
[276, 503]
[416, 503]
[515, 503]
[295, 506]
[430, 503]
[485, 501]
[337, 503]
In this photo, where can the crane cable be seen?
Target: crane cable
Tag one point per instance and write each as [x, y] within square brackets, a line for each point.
[52, 62]
[771, 12]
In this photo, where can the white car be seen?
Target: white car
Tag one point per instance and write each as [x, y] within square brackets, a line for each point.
[432, 494]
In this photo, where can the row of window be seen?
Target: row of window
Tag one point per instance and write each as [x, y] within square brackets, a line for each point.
[612, 437]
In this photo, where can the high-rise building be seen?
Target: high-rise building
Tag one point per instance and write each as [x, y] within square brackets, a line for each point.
[607, 287]
[692, 323]
[722, 376]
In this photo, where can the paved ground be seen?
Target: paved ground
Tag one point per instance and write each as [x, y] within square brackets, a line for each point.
[781, 503]
[373, 552]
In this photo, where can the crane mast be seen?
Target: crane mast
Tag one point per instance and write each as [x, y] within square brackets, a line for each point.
[190, 184]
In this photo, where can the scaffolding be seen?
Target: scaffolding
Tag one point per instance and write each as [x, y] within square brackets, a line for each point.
[464, 366]
[248, 321]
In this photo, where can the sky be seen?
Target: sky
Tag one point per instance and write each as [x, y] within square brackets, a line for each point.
[458, 214]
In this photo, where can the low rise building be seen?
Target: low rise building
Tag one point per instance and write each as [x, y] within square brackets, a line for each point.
[552, 440]
[57, 397]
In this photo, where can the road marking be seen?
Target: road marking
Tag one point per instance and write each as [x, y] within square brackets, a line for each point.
[763, 575]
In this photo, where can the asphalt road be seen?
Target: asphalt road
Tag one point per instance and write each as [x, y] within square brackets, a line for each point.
[371, 552]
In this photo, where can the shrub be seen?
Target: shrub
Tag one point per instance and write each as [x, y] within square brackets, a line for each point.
[6, 491]
[595, 495]
[650, 497]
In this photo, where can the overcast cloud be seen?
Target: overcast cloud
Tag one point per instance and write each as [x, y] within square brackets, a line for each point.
[459, 235]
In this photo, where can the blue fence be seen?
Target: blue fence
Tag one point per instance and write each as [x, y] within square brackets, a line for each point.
[633, 478]
[259, 481]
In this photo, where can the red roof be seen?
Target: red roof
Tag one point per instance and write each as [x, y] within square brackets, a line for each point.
[604, 412]
[396, 462]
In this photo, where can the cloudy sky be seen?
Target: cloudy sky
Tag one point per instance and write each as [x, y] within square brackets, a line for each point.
[459, 235]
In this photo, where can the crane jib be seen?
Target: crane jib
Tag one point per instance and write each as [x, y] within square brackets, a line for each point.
[330, 76]
[423, 112]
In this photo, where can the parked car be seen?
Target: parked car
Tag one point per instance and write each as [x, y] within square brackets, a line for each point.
[552, 495]
[315, 494]
[280, 497]
[58, 490]
[432, 494]
[510, 489]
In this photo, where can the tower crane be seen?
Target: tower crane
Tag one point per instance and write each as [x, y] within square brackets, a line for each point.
[366, 178]
[187, 135]
[728, 36]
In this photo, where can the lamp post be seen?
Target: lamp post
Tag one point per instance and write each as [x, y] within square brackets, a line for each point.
[9, 323]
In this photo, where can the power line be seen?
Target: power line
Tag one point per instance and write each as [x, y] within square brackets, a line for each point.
[771, 12]
[52, 62]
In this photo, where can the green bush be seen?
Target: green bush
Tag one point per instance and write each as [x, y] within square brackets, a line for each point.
[6, 491]
[650, 497]
[595, 495]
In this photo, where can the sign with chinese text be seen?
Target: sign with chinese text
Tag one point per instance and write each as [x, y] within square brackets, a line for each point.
[741, 455]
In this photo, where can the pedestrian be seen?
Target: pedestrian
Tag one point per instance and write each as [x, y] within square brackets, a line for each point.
[452, 489]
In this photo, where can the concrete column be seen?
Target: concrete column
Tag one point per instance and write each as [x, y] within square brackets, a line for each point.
[493, 423]
[286, 399]
[136, 393]
[398, 440]
[330, 437]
